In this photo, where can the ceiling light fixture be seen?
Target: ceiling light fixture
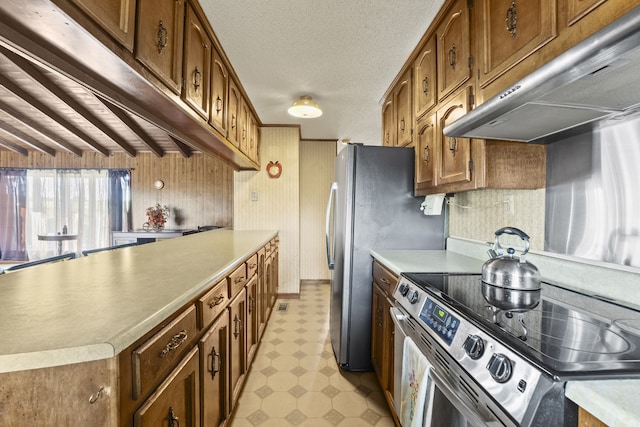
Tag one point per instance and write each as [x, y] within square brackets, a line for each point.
[305, 108]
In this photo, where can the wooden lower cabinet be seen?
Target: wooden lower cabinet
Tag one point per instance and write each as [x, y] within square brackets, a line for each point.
[586, 419]
[382, 329]
[238, 346]
[214, 372]
[176, 402]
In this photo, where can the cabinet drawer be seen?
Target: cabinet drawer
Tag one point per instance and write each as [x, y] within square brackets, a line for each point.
[252, 266]
[212, 304]
[384, 278]
[237, 280]
[155, 358]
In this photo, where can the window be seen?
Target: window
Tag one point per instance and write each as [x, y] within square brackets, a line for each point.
[88, 204]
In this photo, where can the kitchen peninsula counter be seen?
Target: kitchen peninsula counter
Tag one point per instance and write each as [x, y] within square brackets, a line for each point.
[94, 307]
[426, 261]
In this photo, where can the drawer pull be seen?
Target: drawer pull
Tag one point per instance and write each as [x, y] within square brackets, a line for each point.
[240, 279]
[214, 370]
[175, 342]
[254, 265]
[251, 303]
[173, 421]
[385, 281]
[162, 37]
[237, 326]
[97, 395]
[219, 299]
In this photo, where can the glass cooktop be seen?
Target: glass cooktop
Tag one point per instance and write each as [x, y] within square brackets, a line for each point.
[564, 332]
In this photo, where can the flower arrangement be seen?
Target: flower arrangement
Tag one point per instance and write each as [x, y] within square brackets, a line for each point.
[157, 216]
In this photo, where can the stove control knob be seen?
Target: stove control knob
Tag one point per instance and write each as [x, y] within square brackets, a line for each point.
[413, 296]
[500, 367]
[403, 289]
[474, 347]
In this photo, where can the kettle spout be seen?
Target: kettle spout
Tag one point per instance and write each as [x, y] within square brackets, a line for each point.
[492, 254]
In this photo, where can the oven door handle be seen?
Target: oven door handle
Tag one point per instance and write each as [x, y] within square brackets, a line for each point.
[472, 417]
[397, 316]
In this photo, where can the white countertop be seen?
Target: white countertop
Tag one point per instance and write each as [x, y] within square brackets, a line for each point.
[615, 402]
[423, 261]
[94, 307]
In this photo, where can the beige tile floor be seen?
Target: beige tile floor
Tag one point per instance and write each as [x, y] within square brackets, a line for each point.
[294, 379]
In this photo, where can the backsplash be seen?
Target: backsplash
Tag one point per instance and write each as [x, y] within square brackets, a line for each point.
[478, 214]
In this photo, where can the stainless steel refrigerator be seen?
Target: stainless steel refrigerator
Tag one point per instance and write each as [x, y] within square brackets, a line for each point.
[371, 206]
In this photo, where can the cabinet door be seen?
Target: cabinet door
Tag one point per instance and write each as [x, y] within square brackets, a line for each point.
[388, 123]
[159, 39]
[426, 152]
[252, 318]
[511, 31]
[254, 138]
[117, 17]
[268, 270]
[262, 312]
[577, 9]
[177, 400]
[424, 78]
[197, 63]
[377, 334]
[243, 126]
[214, 372]
[235, 99]
[237, 346]
[404, 108]
[219, 88]
[454, 49]
[454, 153]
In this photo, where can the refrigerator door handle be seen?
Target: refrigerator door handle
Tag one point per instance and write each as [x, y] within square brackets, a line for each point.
[330, 231]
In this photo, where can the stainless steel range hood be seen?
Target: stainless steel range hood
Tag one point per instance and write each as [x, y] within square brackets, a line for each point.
[594, 83]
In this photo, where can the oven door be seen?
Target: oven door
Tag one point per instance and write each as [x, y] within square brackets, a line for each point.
[448, 408]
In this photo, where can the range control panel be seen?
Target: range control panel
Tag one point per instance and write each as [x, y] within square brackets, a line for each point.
[441, 321]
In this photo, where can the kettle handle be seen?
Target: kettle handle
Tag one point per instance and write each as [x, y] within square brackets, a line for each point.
[515, 232]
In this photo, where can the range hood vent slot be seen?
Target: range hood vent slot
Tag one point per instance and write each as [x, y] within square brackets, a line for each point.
[594, 83]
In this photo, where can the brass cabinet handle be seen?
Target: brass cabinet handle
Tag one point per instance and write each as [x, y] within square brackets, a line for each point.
[240, 279]
[512, 19]
[163, 36]
[175, 342]
[427, 154]
[384, 280]
[97, 395]
[212, 357]
[402, 124]
[452, 57]
[425, 85]
[253, 265]
[237, 326]
[233, 121]
[219, 299]
[251, 300]
[197, 77]
[172, 420]
[453, 145]
[218, 104]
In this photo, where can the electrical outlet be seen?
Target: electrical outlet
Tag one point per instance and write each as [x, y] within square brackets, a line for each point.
[509, 207]
[254, 196]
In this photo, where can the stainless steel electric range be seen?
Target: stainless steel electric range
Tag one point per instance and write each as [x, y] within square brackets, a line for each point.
[495, 363]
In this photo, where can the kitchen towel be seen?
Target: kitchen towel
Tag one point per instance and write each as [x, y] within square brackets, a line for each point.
[416, 387]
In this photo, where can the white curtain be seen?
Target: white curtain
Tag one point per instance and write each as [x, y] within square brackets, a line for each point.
[77, 199]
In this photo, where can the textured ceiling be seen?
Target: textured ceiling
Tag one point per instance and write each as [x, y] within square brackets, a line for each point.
[344, 54]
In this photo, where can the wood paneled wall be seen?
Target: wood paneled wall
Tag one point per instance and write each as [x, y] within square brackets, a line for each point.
[198, 190]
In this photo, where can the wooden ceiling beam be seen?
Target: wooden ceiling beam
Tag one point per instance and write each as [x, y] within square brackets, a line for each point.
[183, 148]
[53, 115]
[128, 121]
[10, 131]
[12, 147]
[36, 127]
[51, 86]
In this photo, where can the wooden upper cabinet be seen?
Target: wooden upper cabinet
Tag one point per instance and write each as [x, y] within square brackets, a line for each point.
[159, 38]
[254, 138]
[426, 151]
[404, 107]
[219, 88]
[388, 123]
[425, 78]
[235, 101]
[454, 153]
[577, 9]
[116, 17]
[512, 30]
[197, 64]
[243, 126]
[454, 48]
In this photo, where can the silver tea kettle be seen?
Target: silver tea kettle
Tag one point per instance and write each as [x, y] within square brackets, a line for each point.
[507, 271]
